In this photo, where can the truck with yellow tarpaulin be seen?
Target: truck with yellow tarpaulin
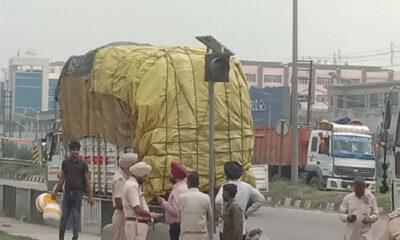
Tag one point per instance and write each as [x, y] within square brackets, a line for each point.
[151, 100]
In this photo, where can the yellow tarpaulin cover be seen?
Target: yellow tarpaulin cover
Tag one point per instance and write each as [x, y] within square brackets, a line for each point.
[165, 90]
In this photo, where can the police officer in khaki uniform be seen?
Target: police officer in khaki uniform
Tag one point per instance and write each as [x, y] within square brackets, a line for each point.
[137, 214]
[391, 227]
[120, 176]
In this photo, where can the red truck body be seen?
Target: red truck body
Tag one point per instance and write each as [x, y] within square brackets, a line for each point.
[267, 147]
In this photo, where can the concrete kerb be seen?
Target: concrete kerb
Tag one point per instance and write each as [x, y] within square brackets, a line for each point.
[303, 204]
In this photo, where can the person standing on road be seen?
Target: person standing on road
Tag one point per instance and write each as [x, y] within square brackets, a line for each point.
[233, 217]
[391, 227]
[248, 198]
[177, 177]
[136, 211]
[359, 210]
[75, 174]
[195, 211]
[119, 179]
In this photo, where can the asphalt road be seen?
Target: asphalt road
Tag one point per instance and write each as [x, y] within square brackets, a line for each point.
[287, 224]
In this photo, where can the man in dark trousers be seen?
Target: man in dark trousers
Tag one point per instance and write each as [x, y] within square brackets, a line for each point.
[75, 174]
[233, 215]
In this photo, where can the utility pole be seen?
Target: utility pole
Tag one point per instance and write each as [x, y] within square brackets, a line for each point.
[294, 107]
[391, 54]
[334, 58]
[309, 100]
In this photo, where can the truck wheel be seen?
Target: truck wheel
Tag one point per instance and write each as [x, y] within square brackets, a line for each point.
[315, 182]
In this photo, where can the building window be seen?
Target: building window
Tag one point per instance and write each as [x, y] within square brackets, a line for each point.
[324, 81]
[322, 98]
[394, 98]
[340, 101]
[273, 78]
[356, 101]
[374, 100]
[302, 80]
[250, 77]
[348, 81]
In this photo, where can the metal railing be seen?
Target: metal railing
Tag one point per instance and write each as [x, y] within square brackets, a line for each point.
[16, 161]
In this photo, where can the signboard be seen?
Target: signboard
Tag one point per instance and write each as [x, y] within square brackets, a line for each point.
[282, 127]
[267, 105]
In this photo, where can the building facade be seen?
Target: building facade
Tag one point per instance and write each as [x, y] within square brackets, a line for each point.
[278, 74]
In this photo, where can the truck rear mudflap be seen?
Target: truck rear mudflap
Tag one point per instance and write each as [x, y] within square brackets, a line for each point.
[346, 185]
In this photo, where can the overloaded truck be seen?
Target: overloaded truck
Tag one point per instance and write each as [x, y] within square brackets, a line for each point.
[330, 155]
[154, 101]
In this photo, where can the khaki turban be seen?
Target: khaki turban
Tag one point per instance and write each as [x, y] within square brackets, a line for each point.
[140, 169]
[127, 160]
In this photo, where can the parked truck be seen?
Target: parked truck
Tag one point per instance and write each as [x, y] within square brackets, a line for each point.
[330, 155]
[154, 101]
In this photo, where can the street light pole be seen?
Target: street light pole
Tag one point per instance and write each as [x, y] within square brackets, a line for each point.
[294, 107]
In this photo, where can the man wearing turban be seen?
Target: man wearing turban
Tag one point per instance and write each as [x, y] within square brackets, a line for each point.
[246, 195]
[136, 211]
[119, 179]
[177, 177]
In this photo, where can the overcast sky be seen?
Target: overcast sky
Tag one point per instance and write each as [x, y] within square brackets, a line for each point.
[253, 29]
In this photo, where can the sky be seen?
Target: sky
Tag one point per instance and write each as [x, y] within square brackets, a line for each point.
[362, 30]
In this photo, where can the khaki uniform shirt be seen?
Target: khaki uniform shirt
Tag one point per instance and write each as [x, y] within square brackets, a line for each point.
[391, 227]
[132, 196]
[117, 184]
[353, 205]
[195, 209]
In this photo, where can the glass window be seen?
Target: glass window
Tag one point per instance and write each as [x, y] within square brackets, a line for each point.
[356, 101]
[353, 147]
[314, 144]
[250, 77]
[340, 101]
[374, 100]
[273, 78]
[302, 80]
[322, 98]
[394, 98]
[324, 81]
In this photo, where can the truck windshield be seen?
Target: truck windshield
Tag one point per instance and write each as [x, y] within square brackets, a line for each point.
[353, 147]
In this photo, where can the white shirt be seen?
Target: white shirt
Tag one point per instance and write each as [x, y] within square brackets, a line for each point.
[117, 184]
[353, 205]
[245, 194]
[194, 210]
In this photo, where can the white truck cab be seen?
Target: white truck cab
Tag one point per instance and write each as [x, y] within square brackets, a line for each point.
[338, 153]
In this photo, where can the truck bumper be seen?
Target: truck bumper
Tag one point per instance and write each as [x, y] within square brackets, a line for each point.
[345, 185]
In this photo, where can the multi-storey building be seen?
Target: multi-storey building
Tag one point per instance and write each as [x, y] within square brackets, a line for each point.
[277, 74]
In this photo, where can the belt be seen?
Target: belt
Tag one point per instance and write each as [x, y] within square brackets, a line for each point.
[137, 220]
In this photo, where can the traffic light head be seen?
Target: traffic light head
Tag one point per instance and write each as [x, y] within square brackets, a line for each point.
[217, 67]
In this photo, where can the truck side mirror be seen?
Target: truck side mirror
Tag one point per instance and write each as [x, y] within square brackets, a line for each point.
[397, 138]
[387, 117]
[397, 165]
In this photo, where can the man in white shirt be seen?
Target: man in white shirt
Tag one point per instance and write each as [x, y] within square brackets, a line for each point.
[195, 211]
[248, 198]
[358, 211]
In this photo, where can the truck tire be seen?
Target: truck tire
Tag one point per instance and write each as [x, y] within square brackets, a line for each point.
[315, 182]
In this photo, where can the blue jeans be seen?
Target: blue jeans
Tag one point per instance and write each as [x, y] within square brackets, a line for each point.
[72, 202]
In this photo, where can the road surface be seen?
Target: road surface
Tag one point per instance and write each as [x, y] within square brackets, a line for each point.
[286, 224]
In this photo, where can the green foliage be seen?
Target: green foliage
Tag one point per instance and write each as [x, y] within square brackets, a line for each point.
[5, 236]
[286, 189]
